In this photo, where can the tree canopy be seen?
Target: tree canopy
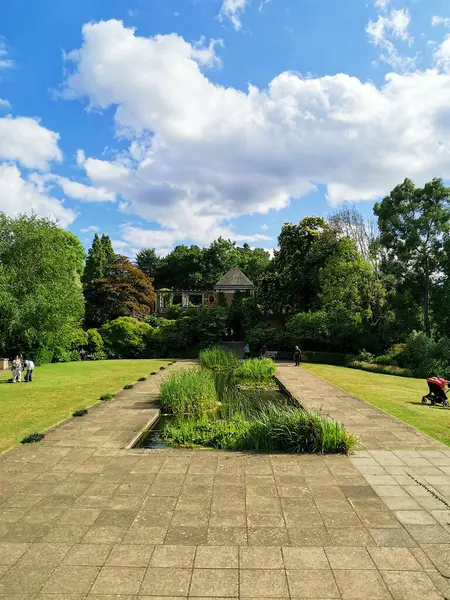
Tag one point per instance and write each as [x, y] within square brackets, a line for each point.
[41, 298]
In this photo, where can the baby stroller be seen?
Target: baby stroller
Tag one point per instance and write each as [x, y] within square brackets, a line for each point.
[436, 394]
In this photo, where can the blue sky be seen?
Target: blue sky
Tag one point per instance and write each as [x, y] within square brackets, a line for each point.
[135, 117]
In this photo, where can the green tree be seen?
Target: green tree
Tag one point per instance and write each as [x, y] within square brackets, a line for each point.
[292, 281]
[413, 223]
[148, 262]
[183, 269]
[100, 257]
[41, 299]
[125, 292]
[108, 251]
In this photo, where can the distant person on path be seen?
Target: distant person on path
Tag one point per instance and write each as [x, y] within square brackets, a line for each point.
[297, 356]
[29, 366]
[263, 351]
[16, 369]
[246, 351]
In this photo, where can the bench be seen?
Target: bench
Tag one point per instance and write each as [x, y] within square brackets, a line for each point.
[279, 355]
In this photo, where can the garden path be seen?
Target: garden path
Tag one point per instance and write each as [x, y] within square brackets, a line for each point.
[83, 518]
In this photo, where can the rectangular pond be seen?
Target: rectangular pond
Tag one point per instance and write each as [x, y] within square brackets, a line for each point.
[232, 400]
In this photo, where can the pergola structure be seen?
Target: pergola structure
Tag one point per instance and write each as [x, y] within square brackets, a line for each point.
[232, 282]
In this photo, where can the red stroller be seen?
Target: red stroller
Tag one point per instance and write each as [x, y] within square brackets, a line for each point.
[436, 394]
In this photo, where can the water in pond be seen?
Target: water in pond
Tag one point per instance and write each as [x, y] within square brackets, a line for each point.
[232, 399]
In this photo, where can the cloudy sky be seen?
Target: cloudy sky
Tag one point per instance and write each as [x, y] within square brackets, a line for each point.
[162, 122]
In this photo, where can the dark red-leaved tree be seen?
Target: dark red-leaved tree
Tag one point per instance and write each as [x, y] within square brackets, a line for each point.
[125, 291]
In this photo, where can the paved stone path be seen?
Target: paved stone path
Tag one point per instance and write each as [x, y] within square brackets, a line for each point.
[83, 518]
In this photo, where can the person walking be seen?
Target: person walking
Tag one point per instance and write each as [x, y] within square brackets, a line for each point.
[17, 369]
[297, 356]
[29, 366]
[263, 351]
[246, 351]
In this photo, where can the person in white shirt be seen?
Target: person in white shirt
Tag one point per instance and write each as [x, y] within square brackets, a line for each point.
[16, 368]
[29, 366]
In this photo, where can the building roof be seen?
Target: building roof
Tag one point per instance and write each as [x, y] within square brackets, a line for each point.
[234, 280]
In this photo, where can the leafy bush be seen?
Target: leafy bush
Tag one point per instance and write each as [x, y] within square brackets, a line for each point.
[43, 356]
[106, 397]
[309, 330]
[79, 338]
[218, 357]
[365, 356]
[126, 337]
[378, 368]
[386, 359]
[256, 368]
[80, 413]
[188, 391]
[100, 355]
[61, 355]
[324, 358]
[33, 438]
[74, 356]
[95, 341]
[264, 334]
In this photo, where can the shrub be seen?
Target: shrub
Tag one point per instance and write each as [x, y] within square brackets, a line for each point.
[129, 386]
[386, 359]
[324, 358]
[376, 368]
[142, 379]
[256, 369]
[33, 438]
[365, 356]
[106, 397]
[43, 356]
[264, 335]
[218, 357]
[309, 330]
[74, 356]
[80, 413]
[100, 355]
[126, 337]
[95, 341]
[188, 391]
[61, 355]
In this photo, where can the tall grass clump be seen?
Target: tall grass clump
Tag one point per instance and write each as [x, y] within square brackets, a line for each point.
[256, 368]
[218, 357]
[188, 391]
[277, 429]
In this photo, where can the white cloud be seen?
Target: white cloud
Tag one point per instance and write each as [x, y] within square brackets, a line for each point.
[79, 191]
[90, 229]
[264, 227]
[24, 140]
[440, 21]
[442, 55]
[382, 3]
[232, 10]
[18, 195]
[5, 62]
[201, 154]
[4, 103]
[389, 28]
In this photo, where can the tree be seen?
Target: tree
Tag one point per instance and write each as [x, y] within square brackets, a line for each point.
[125, 292]
[148, 262]
[413, 223]
[352, 296]
[292, 281]
[100, 257]
[41, 299]
[183, 269]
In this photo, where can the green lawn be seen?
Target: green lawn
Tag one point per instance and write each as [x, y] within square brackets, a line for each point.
[399, 396]
[58, 390]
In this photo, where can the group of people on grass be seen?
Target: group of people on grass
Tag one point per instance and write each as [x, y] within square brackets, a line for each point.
[263, 352]
[18, 364]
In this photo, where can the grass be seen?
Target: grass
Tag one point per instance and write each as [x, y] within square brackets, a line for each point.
[188, 391]
[267, 422]
[58, 390]
[399, 396]
[218, 357]
[256, 368]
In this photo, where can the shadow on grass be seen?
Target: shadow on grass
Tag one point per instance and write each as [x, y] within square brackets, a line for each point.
[438, 406]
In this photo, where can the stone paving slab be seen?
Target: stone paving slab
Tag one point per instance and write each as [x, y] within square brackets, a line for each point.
[83, 518]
